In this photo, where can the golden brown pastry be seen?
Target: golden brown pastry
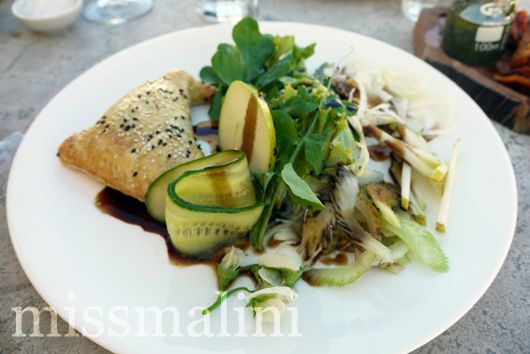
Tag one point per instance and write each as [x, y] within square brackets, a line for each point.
[142, 135]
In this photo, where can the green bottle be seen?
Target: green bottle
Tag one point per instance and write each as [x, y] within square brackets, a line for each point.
[476, 31]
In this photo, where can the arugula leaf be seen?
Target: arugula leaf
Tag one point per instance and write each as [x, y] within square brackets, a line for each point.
[254, 47]
[342, 148]
[283, 45]
[227, 63]
[304, 52]
[277, 70]
[215, 107]
[299, 188]
[300, 104]
[209, 76]
[286, 135]
[316, 147]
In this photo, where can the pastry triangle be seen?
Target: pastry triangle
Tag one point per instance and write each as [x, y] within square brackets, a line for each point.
[142, 135]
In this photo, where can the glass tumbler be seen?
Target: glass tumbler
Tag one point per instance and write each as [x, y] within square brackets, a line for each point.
[228, 10]
[114, 12]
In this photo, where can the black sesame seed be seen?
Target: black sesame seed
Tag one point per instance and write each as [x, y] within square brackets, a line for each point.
[107, 126]
[164, 144]
[160, 141]
[122, 125]
[168, 156]
[190, 142]
[157, 131]
[135, 174]
[124, 120]
[135, 119]
[175, 99]
[152, 147]
[139, 96]
[133, 151]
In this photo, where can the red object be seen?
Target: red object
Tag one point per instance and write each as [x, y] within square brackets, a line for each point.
[519, 25]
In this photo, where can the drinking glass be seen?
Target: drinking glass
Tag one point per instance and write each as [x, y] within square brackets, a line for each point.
[113, 12]
[412, 8]
[228, 10]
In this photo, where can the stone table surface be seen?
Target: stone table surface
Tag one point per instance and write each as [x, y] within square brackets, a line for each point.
[34, 67]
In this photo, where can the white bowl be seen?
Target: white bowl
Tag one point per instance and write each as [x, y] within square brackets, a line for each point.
[53, 23]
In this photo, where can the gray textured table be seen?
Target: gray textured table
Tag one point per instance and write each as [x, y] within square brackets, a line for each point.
[34, 67]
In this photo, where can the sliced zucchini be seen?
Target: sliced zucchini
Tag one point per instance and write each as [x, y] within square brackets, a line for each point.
[209, 207]
[155, 198]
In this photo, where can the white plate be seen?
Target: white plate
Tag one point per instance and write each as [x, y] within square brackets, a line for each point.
[77, 257]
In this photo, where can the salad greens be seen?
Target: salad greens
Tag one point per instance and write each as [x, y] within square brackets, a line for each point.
[321, 197]
[256, 58]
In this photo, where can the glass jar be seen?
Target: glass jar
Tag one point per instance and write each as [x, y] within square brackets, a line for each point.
[476, 31]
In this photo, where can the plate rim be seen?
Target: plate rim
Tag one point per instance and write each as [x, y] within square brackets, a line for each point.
[101, 340]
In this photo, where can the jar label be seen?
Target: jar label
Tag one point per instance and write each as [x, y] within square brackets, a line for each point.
[489, 34]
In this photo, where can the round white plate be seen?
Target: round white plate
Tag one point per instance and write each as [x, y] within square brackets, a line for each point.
[102, 270]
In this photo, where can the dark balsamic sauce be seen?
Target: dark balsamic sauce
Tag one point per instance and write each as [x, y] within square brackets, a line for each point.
[132, 211]
[339, 259]
[379, 152]
[208, 131]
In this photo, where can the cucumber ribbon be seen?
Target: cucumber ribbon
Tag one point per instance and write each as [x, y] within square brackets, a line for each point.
[211, 202]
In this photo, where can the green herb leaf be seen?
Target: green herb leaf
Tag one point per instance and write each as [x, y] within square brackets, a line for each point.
[254, 47]
[227, 63]
[226, 275]
[299, 188]
[215, 107]
[300, 104]
[316, 147]
[277, 70]
[286, 135]
[283, 45]
[343, 147]
[304, 52]
[209, 76]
